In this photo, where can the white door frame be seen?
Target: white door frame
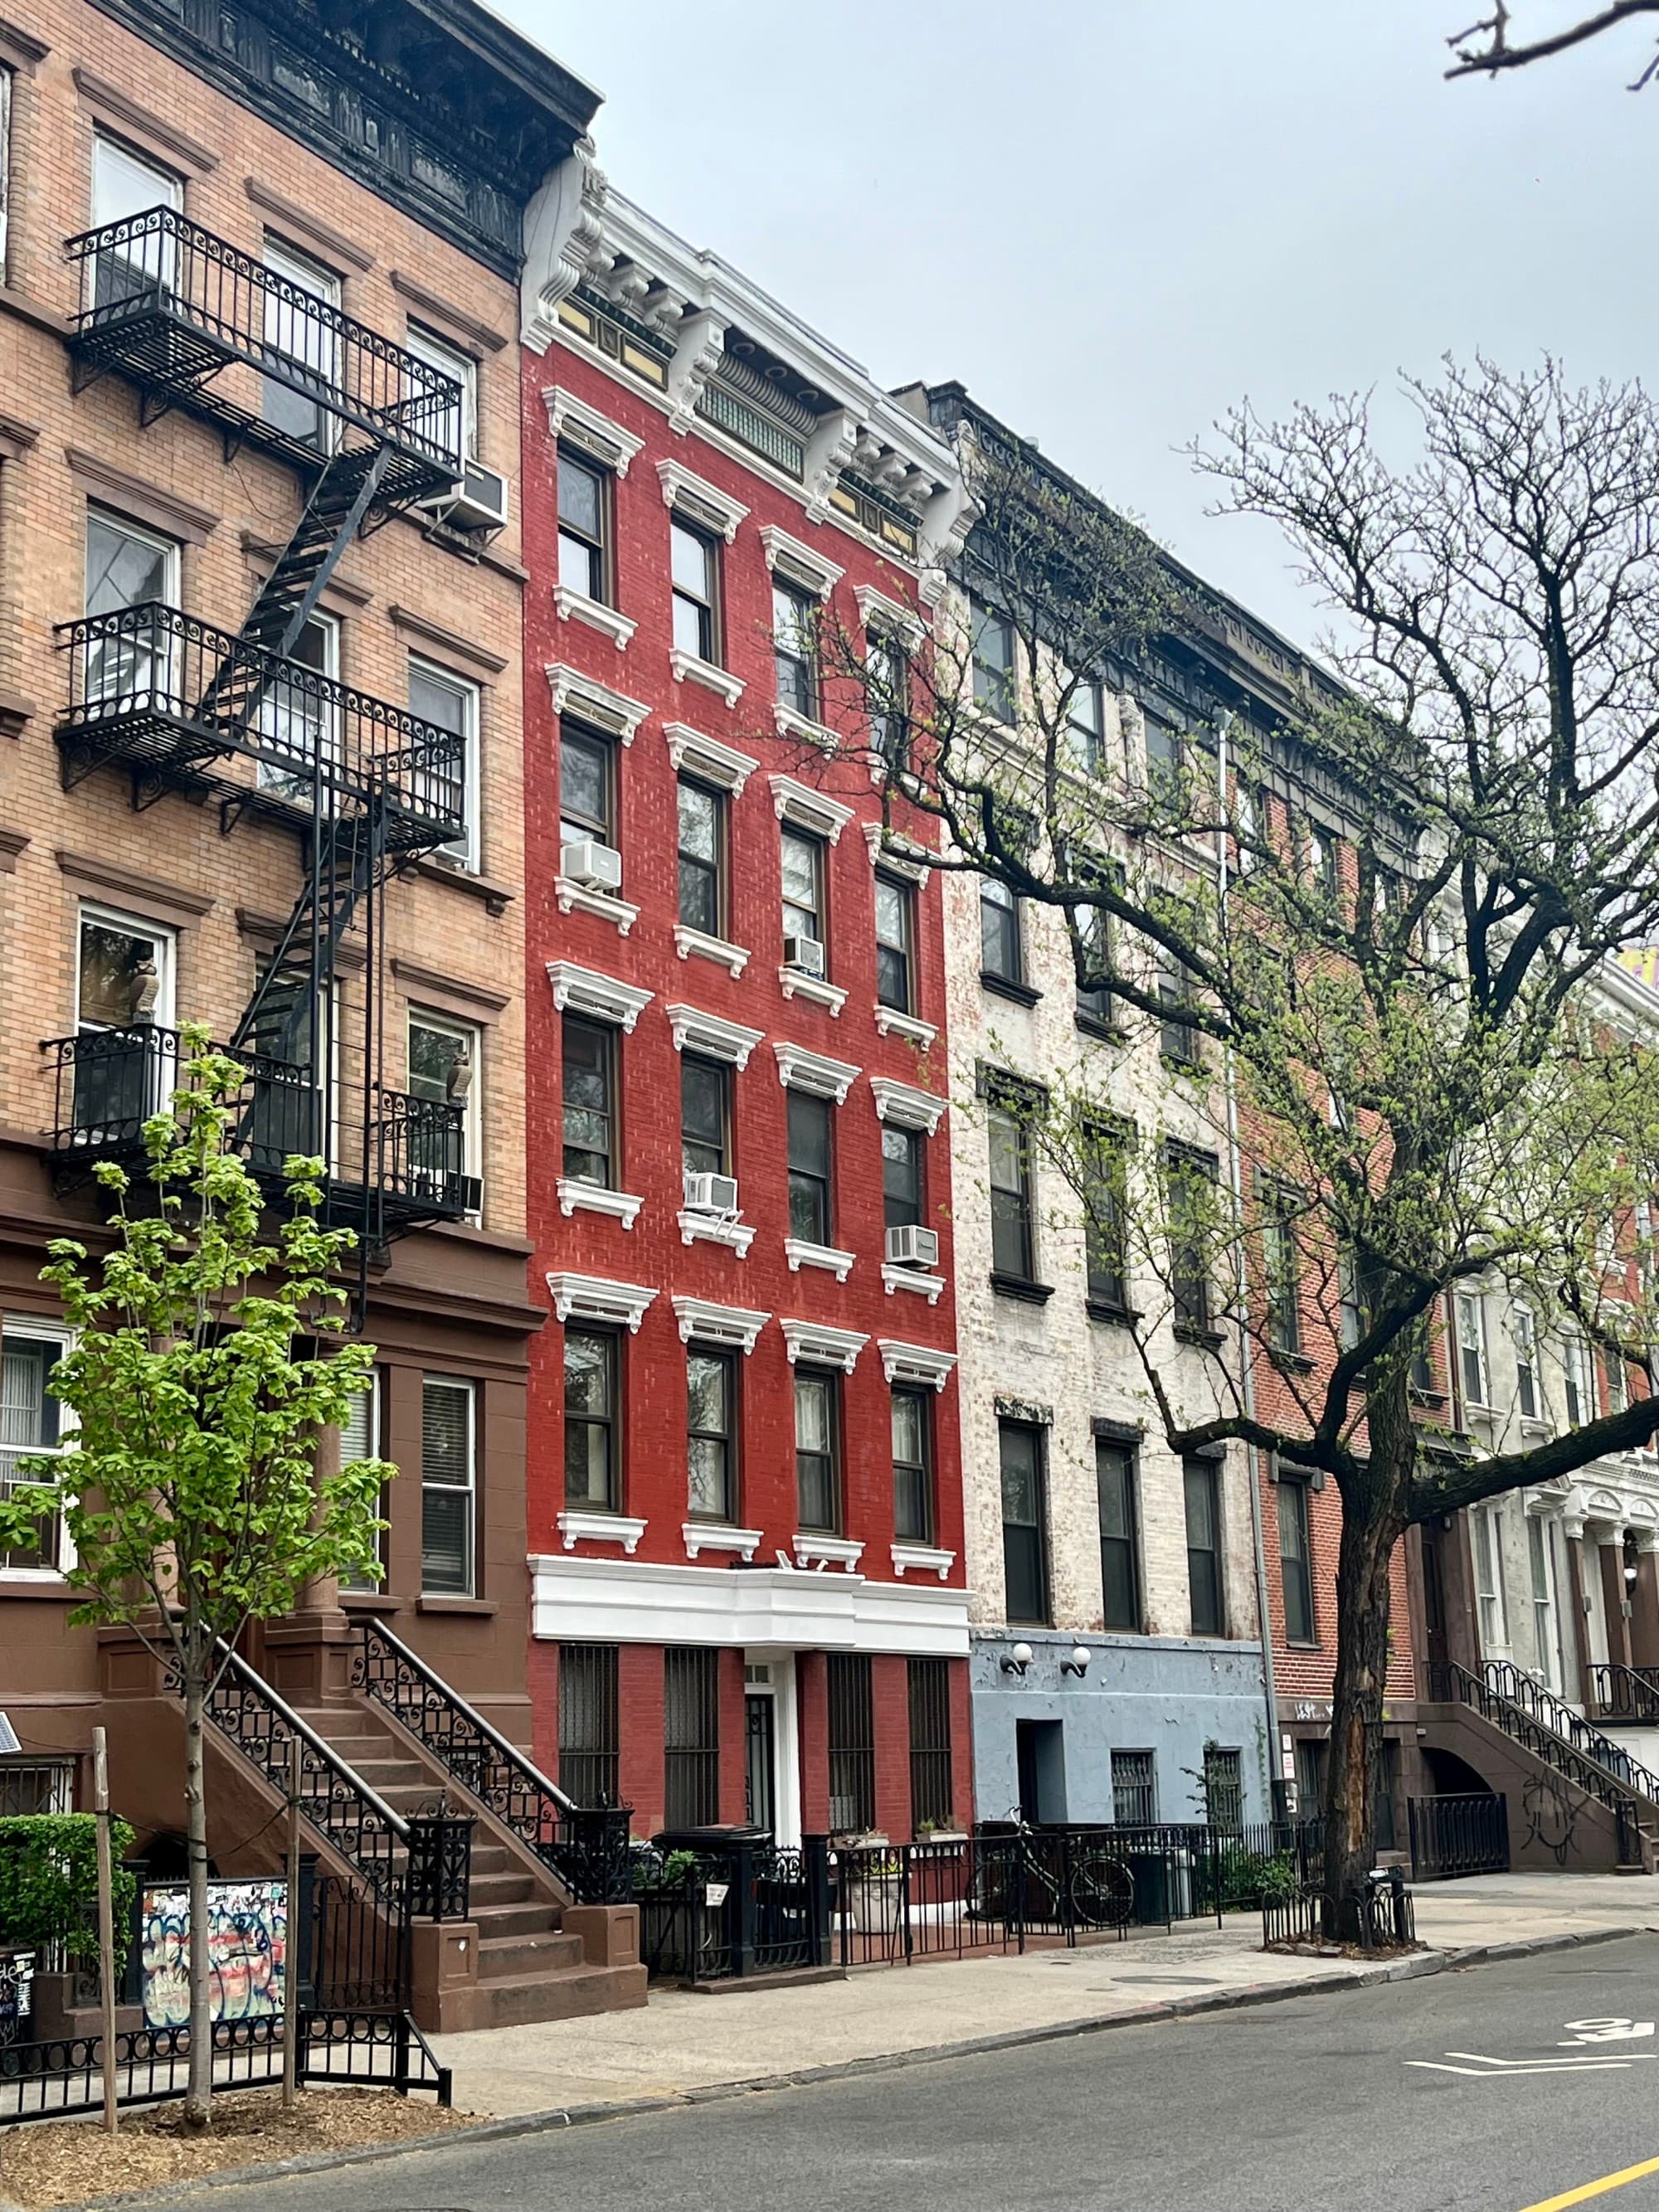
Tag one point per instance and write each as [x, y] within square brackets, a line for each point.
[786, 1736]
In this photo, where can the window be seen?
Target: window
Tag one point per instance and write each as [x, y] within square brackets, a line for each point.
[1543, 1629]
[448, 1486]
[932, 1797]
[588, 1741]
[301, 327]
[584, 527]
[31, 1421]
[803, 886]
[450, 703]
[1024, 1515]
[360, 1438]
[5, 161]
[1085, 726]
[1351, 1322]
[1092, 929]
[1012, 1248]
[1165, 750]
[1135, 1789]
[852, 1743]
[896, 912]
[1324, 853]
[1119, 1551]
[811, 1217]
[123, 184]
[455, 427]
[32, 1784]
[1280, 1270]
[794, 648]
[702, 857]
[1488, 1531]
[692, 1737]
[998, 932]
[1177, 1037]
[1106, 1216]
[1223, 1789]
[902, 1177]
[818, 1447]
[127, 569]
[711, 1436]
[1201, 1491]
[993, 663]
[913, 1484]
[705, 1116]
[1192, 1181]
[694, 570]
[443, 1065]
[590, 1421]
[1295, 1561]
[887, 691]
[1247, 826]
[1618, 1380]
[1524, 1332]
[298, 719]
[586, 786]
[1471, 1347]
[123, 983]
[590, 1102]
[1578, 1376]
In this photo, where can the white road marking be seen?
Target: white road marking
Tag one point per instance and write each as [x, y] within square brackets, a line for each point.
[1614, 2030]
[1510, 2070]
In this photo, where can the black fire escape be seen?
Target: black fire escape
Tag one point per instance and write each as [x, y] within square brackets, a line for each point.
[235, 721]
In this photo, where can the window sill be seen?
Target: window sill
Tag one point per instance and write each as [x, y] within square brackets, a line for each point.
[687, 941]
[1018, 1286]
[591, 1198]
[894, 1278]
[710, 1228]
[1178, 1065]
[799, 1254]
[52, 1588]
[890, 1023]
[1102, 1032]
[484, 1606]
[687, 668]
[829, 1551]
[496, 897]
[367, 1600]
[1104, 1309]
[1291, 1362]
[720, 1536]
[922, 1559]
[1005, 987]
[595, 1527]
[570, 894]
[1208, 1339]
[796, 983]
[576, 606]
[791, 724]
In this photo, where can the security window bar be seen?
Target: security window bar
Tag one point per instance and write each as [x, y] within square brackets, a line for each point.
[803, 886]
[933, 1797]
[795, 648]
[584, 527]
[1001, 954]
[589, 1744]
[31, 1421]
[818, 1452]
[810, 1214]
[994, 662]
[896, 929]
[1106, 1218]
[913, 1460]
[1013, 1244]
[1223, 1789]
[711, 1435]
[1024, 1524]
[360, 1439]
[694, 564]
[705, 1116]
[1135, 1789]
[29, 1785]
[1202, 1499]
[702, 858]
[852, 1743]
[1296, 1562]
[587, 798]
[449, 1448]
[590, 1102]
[590, 1468]
[902, 1177]
[1120, 1545]
[692, 1737]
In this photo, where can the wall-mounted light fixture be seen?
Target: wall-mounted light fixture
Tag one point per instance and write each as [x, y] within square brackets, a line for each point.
[1078, 1664]
[1017, 1661]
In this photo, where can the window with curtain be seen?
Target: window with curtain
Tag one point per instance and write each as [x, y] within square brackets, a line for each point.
[817, 1484]
[711, 1435]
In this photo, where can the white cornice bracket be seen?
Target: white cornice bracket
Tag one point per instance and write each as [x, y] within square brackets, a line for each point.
[809, 810]
[574, 421]
[799, 562]
[593, 701]
[914, 1362]
[905, 1106]
[593, 1298]
[603, 997]
[708, 1034]
[822, 1346]
[733, 1328]
[700, 500]
[802, 1070]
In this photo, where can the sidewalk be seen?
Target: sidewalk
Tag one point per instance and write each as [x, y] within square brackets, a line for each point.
[684, 2042]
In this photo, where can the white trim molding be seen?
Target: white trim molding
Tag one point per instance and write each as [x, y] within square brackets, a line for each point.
[801, 563]
[716, 1536]
[694, 754]
[893, 1277]
[734, 958]
[914, 1362]
[580, 425]
[905, 1106]
[595, 1297]
[924, 1558]
[601, 1528]
[796, 983]
[595, 701]
[710, 1228]
[801, 1253]
[715, 1038]
[878, 612]
[571, 894]
[893, 1024]
[690, 668]
[700, 500]
[576, 606]
[808, 809]
[604, 997]
[735, 1328]
[803, 728]
[891, 850]
[821, 1345]
[595, 1198]
[814, 1551]
[800, 1070]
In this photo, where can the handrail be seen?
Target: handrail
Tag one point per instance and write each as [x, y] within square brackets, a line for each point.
[1552, 1712]
[257, 1685]
[1625, 1692]
[434, 1683]
[1449, 1677]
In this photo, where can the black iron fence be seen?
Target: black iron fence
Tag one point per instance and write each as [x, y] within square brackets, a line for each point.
[1625, 1693]
[1463, 1835]
[728, 1911]
[1380, 1918]
[1450, 1682]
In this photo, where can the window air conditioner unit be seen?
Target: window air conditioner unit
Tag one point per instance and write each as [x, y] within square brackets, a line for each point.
[912, 1246]
[804, 953]
[598, 866]
[475, 500]
[712, 1193]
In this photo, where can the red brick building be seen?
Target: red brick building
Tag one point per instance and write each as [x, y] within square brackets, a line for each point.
[744, 1485]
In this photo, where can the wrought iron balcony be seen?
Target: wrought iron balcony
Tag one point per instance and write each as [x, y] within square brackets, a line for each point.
[200, 325]
[161, 691]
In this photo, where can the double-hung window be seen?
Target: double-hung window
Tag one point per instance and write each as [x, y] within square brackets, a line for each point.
[817, 1451]
[1472, 1364]
[1092, 953]
[1012, 1226]
[1295, 1560]
[912, 1484]
[449, 1455]
[887, 690]
[702, 853]
[584, 527]
[132, 580]
[1577, 1377]
[450, 786]
[1085, 727]
[1488, 1528]
[123, 990]
[449, 423]
[1191, 1183]
[802, 858]
[695, 568]
[1104, 1163]
[705, 1116]
[143, 255]
[1523, 1331]
[994, 662]
[1165, 751]
[895, 930]
[32, 1421]
[711, 1435]
[360, 1438]
[1177, 1034]
[592, 1468]
[810, 1212]
[902, 1177]
[1024, 1524]
[795, 648]
[1204, 1587]
[1001, 955]
[1120, 1545]
[444, 1144]
[301, 332]
[590, 1102]
[1280, 1272]
[587, 786]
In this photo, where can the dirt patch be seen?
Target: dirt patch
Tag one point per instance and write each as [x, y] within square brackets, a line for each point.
[68, 2161]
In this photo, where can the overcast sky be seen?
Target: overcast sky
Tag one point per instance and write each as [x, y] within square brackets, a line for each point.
[1111, 219]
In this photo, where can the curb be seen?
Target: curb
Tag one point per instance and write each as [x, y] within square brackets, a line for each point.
[1414, 1967]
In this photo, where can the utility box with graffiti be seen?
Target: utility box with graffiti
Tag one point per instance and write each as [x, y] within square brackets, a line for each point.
[247, 1941]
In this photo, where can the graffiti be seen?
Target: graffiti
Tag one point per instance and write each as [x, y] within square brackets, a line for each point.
[1551, 1817]
[247, 1946]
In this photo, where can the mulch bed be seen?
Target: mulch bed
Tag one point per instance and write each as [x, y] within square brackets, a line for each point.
[60, 2162]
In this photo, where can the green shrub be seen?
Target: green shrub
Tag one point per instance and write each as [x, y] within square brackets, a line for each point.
[49, 1883]
[1249, 1879]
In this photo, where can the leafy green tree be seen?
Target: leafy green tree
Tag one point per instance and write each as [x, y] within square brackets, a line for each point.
[205, 1364]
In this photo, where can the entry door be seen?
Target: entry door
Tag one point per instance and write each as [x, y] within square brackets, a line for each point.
[760, 1762]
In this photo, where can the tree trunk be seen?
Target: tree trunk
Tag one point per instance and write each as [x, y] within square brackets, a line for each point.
[1362, 1664]
[199, 2098]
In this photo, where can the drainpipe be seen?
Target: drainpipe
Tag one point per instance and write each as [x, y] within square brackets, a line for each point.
[1247, 1375]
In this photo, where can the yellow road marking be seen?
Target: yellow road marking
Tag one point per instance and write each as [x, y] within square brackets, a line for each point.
[1582, 2195]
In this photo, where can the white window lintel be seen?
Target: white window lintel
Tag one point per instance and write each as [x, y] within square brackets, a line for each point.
[605, 998]
[808, 809]
[596, 1298]
[581, 424]
[694, 754]
[800, 1070]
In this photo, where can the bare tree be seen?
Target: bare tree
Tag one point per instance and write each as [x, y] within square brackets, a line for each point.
[1486, 48]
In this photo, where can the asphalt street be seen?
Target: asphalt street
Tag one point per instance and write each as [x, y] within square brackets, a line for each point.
[1495, 2089]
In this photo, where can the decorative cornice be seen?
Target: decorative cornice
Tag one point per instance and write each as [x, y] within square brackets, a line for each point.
[604, 997]
[816, 1551]
[594, 701]
[808, 809]
[710, 1229]
[595, 1298]
[572, 895]
[580, 424]
[891, 1023]
[479, 1000]
[802, 1070]
[693, 753]
[925, 1559]
[905, 1106]
[600, 1529]
[914, 1362]
[573, 605]
[700, 500]
[138, 887]
[799, 563]
[822, 1346]
[690, 668]
[894, 1278]
[796, 983]
[802, 728]
[708, 1034]
[19, 50]
[735, 1327]
[891, 850]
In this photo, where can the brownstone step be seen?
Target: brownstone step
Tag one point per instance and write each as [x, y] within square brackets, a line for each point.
[502, 1889]
[570, 1994]
[533, 1917]
[507, 1958]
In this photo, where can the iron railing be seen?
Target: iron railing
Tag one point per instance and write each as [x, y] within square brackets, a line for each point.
[1625, 1693]
[1380, 1917]
[1536, 1697]
[1456, 1836]
[143, 679]
[731, 1910]
[1451, 1683]
[174, 305]
[419, 1145]
[586, 1847]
